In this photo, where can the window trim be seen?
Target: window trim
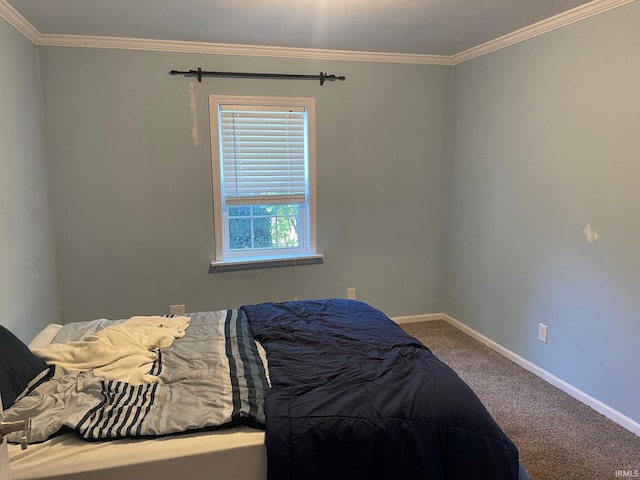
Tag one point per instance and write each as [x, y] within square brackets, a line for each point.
[218, 214]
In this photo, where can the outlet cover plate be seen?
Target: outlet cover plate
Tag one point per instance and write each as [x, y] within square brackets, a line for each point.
[542, 332]
[176, 310]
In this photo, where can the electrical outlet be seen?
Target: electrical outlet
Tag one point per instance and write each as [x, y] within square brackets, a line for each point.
[351, 293]
[542, 332]
[176, 310]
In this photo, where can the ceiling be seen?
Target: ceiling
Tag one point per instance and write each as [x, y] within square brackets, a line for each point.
[418, 27]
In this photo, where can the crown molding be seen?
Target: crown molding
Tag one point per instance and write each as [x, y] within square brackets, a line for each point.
[18, 22]
[574, 15]
[577, 14]
[231, 49]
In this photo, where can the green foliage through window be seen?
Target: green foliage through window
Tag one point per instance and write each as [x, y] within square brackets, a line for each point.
[263, 226]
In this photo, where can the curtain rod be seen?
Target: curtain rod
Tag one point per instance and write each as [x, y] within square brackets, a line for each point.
[202, 73]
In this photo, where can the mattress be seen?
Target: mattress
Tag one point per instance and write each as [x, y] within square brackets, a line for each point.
[237, 454]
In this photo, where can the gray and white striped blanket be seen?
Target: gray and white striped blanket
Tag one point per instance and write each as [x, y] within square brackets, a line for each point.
[212, 377]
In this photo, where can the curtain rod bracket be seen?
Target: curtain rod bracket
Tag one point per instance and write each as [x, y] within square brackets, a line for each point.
[199, 73]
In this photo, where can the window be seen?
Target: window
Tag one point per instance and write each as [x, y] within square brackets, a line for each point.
[263, 157]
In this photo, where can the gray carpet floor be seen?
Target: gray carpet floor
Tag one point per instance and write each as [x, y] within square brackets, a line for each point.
[559, 437]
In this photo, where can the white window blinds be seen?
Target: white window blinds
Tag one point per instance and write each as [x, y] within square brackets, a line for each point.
[263, 151]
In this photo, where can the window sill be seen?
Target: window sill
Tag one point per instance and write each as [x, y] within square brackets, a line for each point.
[270, 262]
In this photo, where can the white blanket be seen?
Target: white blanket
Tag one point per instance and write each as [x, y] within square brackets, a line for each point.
[122, 352]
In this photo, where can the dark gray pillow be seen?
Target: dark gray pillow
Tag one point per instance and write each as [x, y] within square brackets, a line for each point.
[20, 369]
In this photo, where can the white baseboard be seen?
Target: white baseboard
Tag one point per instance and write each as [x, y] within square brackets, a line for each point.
[576, 393]
[419, 318]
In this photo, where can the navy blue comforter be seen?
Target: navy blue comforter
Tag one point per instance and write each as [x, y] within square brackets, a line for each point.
[355, 397]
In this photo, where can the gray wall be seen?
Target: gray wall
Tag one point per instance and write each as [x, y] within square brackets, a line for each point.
[28, 282]
[545, 141]
[132, 193]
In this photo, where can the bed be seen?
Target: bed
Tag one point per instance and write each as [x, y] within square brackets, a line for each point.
[297, 390]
